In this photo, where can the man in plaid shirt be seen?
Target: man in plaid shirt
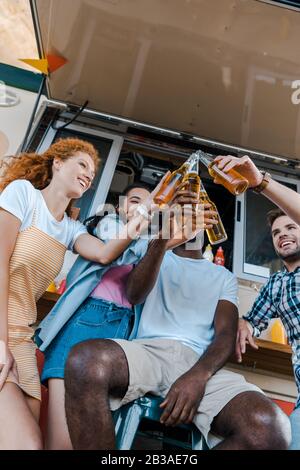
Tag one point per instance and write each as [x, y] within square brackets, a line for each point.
[280, 297]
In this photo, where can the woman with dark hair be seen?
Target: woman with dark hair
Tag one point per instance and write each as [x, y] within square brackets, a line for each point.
[91, 223]
[106, 313]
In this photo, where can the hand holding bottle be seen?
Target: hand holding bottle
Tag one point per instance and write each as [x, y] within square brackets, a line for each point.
[143, 212]
[189, 221]
[175, 196]
[232, 180]
[150, 203]
[243, 165]
[184, 196]
[171, 184]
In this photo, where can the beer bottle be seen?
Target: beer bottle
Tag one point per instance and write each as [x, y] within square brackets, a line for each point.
[232, 180]
[192, 179]
[217, 233]
[192, 183]
[167, 191]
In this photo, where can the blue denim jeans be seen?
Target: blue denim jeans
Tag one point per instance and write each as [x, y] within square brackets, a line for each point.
[94, 319]
[295, 424]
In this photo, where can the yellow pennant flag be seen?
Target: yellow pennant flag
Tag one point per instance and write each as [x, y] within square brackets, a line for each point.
[40, 64]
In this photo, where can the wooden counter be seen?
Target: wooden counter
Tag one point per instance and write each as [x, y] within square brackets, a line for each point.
[45, 304]
[270, 356]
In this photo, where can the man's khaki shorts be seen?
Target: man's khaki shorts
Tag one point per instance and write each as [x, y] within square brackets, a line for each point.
[155, 364]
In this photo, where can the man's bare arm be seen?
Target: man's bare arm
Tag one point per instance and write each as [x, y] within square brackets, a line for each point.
[223, 344]
[185, 395]
[285, 198]
[142, 278]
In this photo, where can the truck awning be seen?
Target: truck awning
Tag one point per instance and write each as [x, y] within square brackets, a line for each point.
[219, 70]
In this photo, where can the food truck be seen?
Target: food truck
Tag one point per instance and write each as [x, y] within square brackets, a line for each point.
[150, 82]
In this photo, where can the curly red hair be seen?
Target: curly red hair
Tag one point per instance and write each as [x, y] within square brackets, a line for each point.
[37, 168]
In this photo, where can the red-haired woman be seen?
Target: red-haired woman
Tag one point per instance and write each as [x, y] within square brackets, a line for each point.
[35, 232]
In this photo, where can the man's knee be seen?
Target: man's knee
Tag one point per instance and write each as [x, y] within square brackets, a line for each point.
[268, 428]
[90, 362]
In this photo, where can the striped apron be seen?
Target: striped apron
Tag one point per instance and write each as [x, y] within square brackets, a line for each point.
[36, 261]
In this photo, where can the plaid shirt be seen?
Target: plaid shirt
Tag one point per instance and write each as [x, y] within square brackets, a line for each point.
[280, 298]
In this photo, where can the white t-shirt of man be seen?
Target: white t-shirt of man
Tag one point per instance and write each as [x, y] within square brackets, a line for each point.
[21, 199]
[183, 302]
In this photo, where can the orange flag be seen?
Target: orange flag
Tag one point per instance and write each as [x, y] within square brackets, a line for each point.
[46, 65]
[55, 62]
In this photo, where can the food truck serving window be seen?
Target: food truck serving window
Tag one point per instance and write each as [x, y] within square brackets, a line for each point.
[284, 3]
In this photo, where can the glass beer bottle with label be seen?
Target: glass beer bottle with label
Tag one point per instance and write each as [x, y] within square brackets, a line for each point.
[216, 234]
[232, 180]
[192, 179]
[192, 183]
[167, 191]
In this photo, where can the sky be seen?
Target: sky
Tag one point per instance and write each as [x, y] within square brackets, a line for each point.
[16, 33]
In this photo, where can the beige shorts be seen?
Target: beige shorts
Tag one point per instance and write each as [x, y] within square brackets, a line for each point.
[155, 364]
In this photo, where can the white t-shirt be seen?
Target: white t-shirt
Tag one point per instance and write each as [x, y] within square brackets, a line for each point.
[21, 199]
[183, 302]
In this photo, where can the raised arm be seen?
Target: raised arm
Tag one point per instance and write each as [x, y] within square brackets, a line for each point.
[93, 249]
[187, 224]
[142, 278]
[185, 395]
[285, 198]
[9, 228]
[222, 346]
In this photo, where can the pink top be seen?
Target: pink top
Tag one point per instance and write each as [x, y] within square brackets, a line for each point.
[112, 286]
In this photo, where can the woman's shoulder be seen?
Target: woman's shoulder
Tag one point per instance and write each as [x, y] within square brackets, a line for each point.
[21, 191]
[75, 224]
[19, 198]
[22, 185]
